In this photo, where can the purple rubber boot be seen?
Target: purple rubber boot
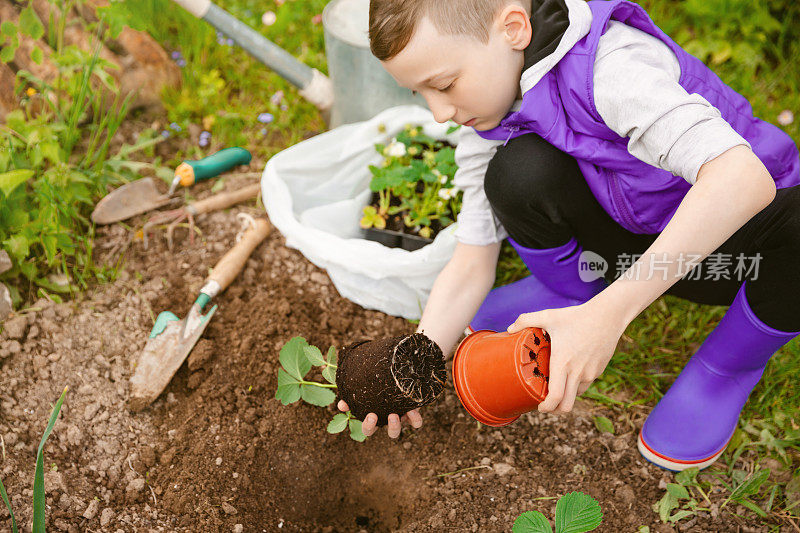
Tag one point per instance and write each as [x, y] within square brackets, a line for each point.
[694, 421]
[555, 282]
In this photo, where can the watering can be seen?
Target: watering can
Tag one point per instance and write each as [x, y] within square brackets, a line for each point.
[358, 88]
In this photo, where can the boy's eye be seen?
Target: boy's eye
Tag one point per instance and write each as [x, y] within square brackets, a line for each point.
[448, 87]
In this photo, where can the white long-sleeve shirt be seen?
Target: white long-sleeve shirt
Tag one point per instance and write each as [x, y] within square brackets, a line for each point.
[637, 95]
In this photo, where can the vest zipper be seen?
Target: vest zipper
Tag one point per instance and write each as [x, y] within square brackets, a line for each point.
[511, 131]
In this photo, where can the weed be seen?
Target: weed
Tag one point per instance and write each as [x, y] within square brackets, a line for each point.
[38, 477]
[576, 512]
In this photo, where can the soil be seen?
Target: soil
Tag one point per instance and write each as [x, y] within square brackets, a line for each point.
[393, 375]
[217, 451]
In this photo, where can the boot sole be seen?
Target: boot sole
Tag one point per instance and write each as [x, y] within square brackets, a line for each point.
[676, 465]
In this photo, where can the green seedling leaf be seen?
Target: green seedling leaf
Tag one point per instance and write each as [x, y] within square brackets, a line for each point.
[749, 486]
[4, 495]
[333, 358]
[8, 29]
[314, 355]
[37, 56]
[339, 423]
[329, 373]
[288, 388]
[687, 477]
[38, 476]
[604, 424]
[531, 522]
[293, 358]
[317, 395]
[355, 430]
[14, 178]
[680, 515]
[577, 512]
[29, 23]
[665, 505]
[679, 492]
[753, 507]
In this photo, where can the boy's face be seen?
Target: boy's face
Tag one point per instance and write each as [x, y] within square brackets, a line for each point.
[461, 78]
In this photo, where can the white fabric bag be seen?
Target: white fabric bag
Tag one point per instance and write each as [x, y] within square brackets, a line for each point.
[315, 192]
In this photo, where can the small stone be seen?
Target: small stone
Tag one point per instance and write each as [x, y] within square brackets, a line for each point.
[5, 302]
[107, 516]
[91, 511]
[135, 487]
[626, 494]
[5, 262]
[33, 332]
[228, 508]
[238, 528]
[14, 328]
[91, 410]
[218, 461]
[502, 469]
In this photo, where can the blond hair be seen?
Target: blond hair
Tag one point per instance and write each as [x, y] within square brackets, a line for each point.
[392, 22]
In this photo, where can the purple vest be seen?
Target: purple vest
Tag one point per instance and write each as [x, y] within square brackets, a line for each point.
[640, 197]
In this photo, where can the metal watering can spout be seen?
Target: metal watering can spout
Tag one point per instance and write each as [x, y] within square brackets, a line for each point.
[314, 86]
[358, 88]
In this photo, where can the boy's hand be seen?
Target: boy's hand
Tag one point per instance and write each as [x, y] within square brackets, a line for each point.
[369, 424]
[583, 339]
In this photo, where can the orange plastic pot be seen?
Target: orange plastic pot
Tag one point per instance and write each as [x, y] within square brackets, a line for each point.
[499, 376]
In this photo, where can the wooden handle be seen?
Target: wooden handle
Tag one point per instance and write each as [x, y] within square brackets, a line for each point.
[232, 262]
[224, 199]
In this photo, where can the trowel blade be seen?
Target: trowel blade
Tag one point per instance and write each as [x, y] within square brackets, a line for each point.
[131, 199]
[161, 358]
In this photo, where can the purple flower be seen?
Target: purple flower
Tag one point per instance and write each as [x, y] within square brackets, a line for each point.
[175, 126]
[276, 98]
[205, 134]
[181, 62]
[265, 118]
[263, 132]
[203, 142]
[165, 134]
[176, 55]
[229, 42]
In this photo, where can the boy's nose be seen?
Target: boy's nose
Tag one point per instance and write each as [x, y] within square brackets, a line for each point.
[442, 111]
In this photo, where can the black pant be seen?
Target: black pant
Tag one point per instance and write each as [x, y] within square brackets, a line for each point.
[542, 200]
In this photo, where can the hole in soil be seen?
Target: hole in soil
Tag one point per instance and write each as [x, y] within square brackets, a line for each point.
[362, 521]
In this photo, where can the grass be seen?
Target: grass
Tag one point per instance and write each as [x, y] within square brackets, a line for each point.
[224, 92]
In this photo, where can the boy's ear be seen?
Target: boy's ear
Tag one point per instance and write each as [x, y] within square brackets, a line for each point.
[515, 24]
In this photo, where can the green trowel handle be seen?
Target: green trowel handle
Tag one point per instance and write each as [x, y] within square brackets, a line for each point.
[212, 166]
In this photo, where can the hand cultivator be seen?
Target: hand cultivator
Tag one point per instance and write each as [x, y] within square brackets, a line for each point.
[141, 196]
[175, 217]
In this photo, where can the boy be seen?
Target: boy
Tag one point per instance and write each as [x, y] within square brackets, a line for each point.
[586, 132]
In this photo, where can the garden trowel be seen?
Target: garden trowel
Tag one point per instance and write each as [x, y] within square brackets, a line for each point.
[141, 196]
[172, 339]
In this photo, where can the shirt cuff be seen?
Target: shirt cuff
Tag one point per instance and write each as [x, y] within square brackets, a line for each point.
[700, 144]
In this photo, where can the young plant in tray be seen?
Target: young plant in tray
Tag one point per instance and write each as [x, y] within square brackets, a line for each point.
[413, 189]
[297, 357]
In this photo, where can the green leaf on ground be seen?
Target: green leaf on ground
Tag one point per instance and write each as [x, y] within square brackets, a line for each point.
[317, 395]
[338, 424]
[314, 355]
[604, 424]
[332, 356]
[531, 522]
[678, 491]
[288, 388]
[355, 430]
[14, 178]
[293, 358]
[29, 23]
[687, 477]
[577, 512]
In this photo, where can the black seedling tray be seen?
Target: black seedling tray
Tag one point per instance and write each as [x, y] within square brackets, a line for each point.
[396, 239]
